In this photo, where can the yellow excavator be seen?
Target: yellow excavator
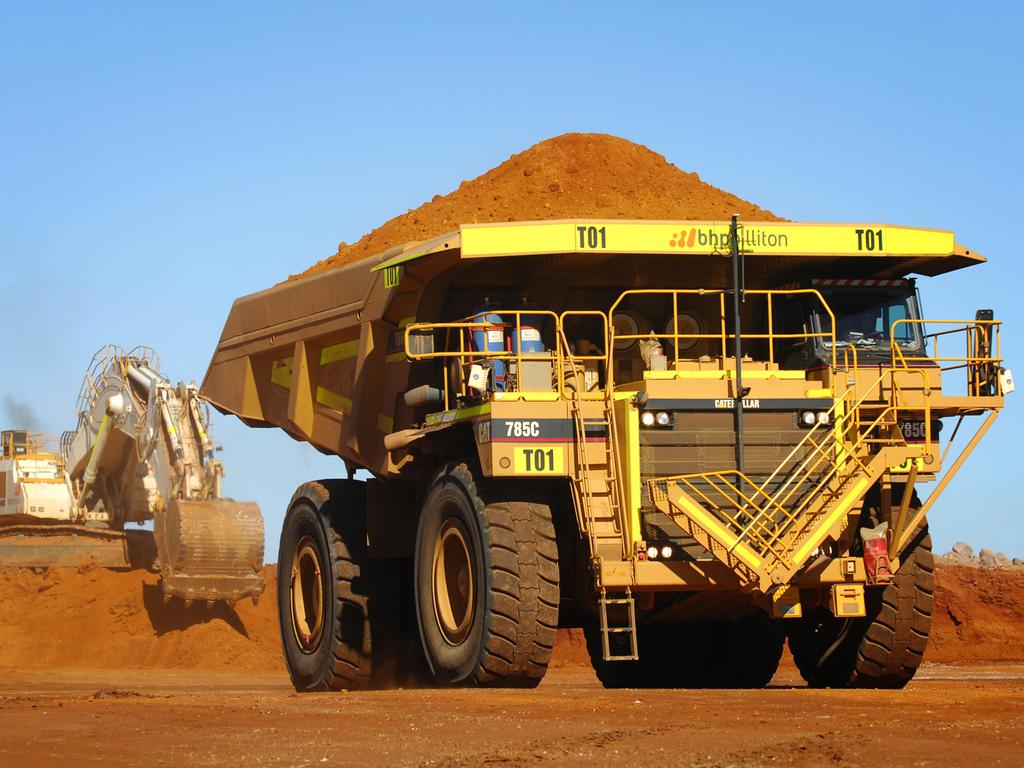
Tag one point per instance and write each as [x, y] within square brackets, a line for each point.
[141, 452]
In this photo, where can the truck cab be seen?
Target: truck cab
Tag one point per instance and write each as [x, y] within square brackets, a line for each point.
[869, 316]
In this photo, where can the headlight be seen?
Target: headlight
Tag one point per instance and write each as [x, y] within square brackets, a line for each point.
[652, 553]
[811, 418]
[655, 418]
[666, 552]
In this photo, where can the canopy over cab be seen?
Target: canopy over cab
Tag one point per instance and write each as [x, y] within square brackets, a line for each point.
[882, 250]
[323, 357]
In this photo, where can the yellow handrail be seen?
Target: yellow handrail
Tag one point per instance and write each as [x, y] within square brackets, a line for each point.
[20, 444]
[468, 357]
[757, 521]
[978, 335]
[557, 356]
[675, 337]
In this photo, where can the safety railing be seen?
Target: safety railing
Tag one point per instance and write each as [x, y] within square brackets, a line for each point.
[112, 357]
[981, 358]
[576, 361]
[16, 444]
[771, 516]
[722, 337]
[459, 342]
[573, 386]
[468, 344]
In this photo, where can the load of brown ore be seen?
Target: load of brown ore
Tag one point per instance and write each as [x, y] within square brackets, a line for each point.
[575, 175]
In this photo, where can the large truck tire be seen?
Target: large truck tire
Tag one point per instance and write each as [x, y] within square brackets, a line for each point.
[339, 611]
[486, 581]
[881, 650]
[670, 656]
[743, 653]
[616, 674]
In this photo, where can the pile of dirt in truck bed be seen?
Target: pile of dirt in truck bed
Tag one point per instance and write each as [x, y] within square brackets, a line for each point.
[95, 618]
[576, 175]
[63, 617]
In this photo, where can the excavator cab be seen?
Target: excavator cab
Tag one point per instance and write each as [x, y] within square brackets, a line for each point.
[14, 442]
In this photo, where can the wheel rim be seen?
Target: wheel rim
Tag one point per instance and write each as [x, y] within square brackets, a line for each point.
[453, 581]
[307, 596]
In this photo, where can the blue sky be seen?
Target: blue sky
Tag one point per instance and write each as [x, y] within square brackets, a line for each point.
[159, 160]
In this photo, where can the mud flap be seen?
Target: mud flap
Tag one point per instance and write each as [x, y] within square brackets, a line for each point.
[210, 550]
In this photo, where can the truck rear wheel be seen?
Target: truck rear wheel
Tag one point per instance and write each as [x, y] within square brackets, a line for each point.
[617, 674]
[881, 650]
[486, 581]
[338, 609]
[743, 653]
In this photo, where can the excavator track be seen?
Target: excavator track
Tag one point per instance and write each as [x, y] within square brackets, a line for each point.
[44, 545]
[210, 550]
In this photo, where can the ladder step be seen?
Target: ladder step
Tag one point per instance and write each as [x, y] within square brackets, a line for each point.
[629, 630]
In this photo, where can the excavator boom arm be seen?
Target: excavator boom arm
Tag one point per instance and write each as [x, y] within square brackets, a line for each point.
[143, 451]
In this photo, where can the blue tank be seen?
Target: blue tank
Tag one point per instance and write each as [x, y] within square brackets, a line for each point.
[528, 335]
[492, 339]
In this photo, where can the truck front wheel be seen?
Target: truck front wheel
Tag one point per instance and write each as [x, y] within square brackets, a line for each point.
[881, 650]
[486, 581]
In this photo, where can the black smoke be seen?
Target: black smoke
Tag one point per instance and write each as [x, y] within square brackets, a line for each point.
[18, 414]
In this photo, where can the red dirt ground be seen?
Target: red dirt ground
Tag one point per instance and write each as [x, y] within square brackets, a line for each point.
[95, 669]
[575, 175]
[949, 716]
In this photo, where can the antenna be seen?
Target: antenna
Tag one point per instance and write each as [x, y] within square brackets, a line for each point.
[738, 296]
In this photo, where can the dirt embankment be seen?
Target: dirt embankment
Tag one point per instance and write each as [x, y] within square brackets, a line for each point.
[979, 615]
[575, 175]
[102, 619]
[63, 617]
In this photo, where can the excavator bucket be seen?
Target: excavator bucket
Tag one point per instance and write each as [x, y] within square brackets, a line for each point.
[210, 550]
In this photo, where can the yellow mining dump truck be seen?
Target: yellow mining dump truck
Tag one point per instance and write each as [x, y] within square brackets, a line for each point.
[693, 439]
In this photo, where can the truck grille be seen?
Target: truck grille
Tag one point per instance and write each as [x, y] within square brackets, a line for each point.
[706, 442]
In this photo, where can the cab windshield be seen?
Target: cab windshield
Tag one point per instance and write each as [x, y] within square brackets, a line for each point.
[865, 318]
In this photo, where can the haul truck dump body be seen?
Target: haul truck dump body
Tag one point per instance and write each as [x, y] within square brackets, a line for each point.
[691, 438]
